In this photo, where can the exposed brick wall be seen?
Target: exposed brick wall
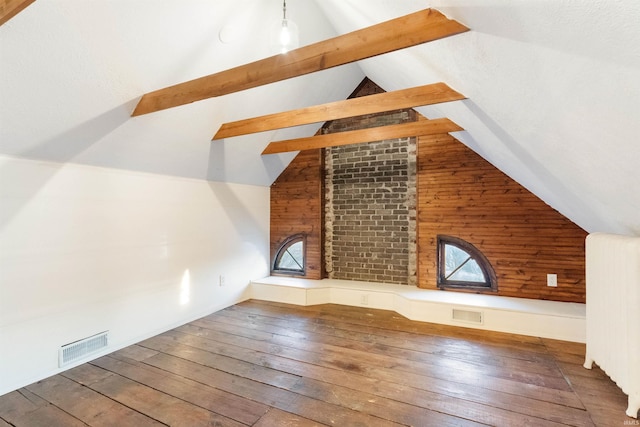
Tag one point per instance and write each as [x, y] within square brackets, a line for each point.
[370, 203]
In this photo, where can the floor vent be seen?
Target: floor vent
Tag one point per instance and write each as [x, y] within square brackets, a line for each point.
[80, 349]
[467, 316]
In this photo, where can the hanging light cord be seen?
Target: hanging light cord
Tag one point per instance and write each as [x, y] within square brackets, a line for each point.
[284, 9]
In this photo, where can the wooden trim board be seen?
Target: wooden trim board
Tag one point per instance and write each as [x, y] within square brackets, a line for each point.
[406, 31]
[380, 133]
[378, 103]
[10, 8]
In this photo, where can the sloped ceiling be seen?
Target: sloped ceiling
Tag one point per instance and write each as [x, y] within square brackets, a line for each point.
[553, 88]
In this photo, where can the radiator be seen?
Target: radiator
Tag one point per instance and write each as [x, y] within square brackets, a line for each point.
[613, 311]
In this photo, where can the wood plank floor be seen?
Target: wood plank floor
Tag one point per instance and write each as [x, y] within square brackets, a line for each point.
[268, 364]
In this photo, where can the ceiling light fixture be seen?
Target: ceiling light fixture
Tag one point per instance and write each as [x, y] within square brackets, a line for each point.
[284, 36]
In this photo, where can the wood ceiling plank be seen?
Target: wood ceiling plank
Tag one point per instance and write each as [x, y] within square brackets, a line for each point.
[10, 8]
[405, 130]
[409, 30]
[378, 103]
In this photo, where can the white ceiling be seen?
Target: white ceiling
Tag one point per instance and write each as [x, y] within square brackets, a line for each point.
[553, 88]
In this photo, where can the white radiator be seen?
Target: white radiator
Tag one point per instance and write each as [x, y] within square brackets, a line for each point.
[613, 311]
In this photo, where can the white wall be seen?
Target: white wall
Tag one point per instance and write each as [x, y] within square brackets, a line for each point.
[85, 249]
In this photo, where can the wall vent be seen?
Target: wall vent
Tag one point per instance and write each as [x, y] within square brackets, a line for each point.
[467, 316]
[80, 349]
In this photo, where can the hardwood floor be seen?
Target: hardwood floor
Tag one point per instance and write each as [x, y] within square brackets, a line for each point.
[267, 364]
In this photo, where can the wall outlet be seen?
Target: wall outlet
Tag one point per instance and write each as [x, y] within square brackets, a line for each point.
[552, 280]
[364, 299]
[222, 281]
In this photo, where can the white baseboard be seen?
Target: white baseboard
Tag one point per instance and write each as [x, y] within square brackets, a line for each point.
[539, 318]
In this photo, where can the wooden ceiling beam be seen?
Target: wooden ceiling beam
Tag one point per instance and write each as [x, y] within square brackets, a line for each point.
[405, 31]
[10, 8]
[381, 133]
[378, 103]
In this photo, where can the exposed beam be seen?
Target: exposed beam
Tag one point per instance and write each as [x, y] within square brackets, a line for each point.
[10, 8]
[378, 103]
[410, 30]
[405, 130]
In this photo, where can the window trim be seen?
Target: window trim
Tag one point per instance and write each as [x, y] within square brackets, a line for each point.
[487, 269]
[282, 249]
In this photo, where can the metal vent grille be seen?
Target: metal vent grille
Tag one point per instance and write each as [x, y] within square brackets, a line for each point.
[80, 349]
[467, 316]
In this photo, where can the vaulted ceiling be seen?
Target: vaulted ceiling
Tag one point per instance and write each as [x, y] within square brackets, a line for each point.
[552, 88]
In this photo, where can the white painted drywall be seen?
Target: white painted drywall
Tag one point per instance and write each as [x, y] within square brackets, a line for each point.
[85, 249]
[73, 71]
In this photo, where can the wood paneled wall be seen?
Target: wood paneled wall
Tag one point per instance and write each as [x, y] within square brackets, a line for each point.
[297, 207]
[460, 194]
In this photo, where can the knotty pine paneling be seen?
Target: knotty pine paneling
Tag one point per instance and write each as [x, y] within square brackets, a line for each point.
[297, 207]
[460, 194]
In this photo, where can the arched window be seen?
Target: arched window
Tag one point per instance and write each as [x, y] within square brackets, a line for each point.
[462, 266]
[290, 257]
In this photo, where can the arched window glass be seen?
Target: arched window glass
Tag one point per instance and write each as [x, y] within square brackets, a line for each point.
[290, 256]
[461, 265]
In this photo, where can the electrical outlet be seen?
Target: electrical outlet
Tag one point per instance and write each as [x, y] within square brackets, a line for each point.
[364, 299]
[222, 280]
[552, 280]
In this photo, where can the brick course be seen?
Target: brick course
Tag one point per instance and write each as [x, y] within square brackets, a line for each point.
[370, 203]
